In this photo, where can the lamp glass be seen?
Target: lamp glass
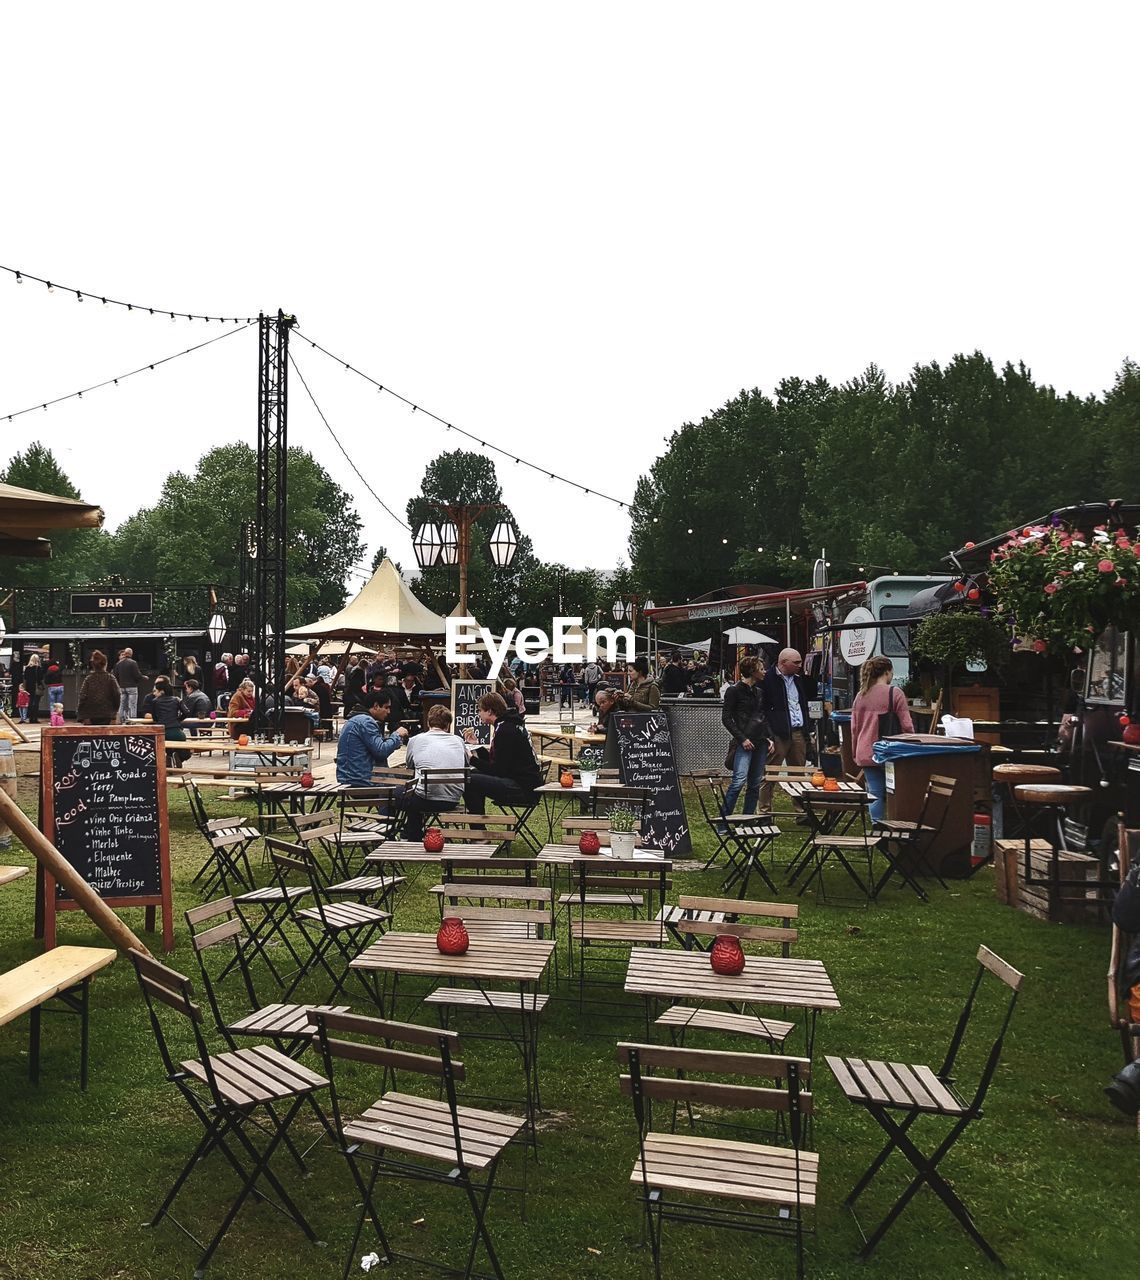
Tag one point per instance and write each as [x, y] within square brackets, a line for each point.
[216, 629]
[503, 544]
[449, 543]
[426, 544]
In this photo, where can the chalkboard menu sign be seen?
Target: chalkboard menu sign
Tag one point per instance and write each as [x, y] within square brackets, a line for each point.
[104, 809]
[465, 695]
[645, 759]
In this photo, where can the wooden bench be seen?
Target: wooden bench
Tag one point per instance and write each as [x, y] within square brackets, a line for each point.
[63, 974]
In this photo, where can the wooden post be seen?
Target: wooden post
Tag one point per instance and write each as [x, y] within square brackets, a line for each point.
[49, 857]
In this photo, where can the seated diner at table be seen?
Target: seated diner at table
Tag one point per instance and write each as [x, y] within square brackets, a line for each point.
[507, 771]
[438, 748]
[362, 745]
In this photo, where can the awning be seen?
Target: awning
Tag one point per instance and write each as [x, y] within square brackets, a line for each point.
[27, 515]
[742, 635]
[384, 610]
[798, 600]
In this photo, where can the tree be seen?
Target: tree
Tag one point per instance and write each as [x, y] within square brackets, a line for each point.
[76, 553]
[191, 534]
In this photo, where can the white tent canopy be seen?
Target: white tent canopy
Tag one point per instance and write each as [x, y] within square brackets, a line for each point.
[384, 609]
[741, 635]
[332, 648]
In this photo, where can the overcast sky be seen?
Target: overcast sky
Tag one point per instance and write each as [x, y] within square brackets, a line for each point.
[568, 228]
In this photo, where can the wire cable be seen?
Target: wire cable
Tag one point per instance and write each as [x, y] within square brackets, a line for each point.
[486, 444]
[344, 451]
[18, 413]
[80, 294]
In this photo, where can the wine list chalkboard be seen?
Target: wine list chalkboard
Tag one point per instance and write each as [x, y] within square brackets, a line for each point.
[645, 759]
[465, 695]
[104, 809]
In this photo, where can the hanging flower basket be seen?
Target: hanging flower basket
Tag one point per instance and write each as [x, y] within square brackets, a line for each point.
[1062, 589]
[952, 639]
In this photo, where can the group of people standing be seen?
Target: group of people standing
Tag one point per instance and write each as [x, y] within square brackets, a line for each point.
[766, 715]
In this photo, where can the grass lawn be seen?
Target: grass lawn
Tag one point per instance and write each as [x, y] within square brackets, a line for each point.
[1050, 1171]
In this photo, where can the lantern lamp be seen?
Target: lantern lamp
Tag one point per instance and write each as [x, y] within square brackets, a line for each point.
[449, 543]
[427, 544]
[215, 629]
[503, 544]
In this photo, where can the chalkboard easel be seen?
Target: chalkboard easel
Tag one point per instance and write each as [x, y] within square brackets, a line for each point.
[465, 695]
[643, 748]
[103, 806]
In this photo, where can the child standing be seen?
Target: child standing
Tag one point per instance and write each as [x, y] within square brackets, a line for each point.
[23, 698]
[57, 714]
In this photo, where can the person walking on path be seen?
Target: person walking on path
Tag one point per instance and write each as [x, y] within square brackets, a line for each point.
[99, 694]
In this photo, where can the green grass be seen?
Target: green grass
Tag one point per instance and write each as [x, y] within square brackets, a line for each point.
[1050, 1170]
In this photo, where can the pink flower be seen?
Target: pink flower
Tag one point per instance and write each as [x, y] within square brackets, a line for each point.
[1121, 582]
[1106, 566]
[1136, 549]
[1050, 587]
[1039, 646]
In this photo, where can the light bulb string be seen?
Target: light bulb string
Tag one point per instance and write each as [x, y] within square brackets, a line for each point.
[344, 451]
[480, 440]
[108, 382]
[145, 308]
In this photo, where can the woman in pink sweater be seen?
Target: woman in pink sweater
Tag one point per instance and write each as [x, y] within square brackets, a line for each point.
[876, 697]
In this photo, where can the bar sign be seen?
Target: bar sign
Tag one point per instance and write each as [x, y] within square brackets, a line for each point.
[112, 602]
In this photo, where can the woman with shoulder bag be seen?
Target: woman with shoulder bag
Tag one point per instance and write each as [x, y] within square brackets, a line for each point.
[743, 717]
[880, 711]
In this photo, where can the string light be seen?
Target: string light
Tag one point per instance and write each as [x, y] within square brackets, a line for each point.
[341, 447]
[450, 426]
[80, 294]
[108, 382]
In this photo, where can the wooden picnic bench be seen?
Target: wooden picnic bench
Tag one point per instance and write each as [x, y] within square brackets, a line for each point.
[63, 974]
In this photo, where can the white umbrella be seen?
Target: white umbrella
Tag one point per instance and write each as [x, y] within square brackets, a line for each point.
[741, 635]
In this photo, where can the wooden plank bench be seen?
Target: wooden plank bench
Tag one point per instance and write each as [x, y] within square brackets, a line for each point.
[63, 974]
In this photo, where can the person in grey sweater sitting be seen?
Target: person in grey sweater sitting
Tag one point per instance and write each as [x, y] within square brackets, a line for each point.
[439, 748]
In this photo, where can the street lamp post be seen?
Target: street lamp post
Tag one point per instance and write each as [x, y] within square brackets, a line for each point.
[450, 541]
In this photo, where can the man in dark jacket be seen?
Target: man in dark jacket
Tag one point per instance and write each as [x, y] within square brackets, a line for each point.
[508, 770]
[355, 679]
[785, 704]
[743, 716]
[675, 678]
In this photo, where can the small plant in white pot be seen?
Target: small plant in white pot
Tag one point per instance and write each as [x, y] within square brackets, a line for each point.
[623, 831]
[589, 761]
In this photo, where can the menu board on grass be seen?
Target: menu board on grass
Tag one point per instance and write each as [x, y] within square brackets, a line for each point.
[103, 794]
[465, 695]
[645, 759]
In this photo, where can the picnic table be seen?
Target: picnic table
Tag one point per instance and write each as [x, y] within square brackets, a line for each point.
[63, 974]
[517, 963]
[662, 973]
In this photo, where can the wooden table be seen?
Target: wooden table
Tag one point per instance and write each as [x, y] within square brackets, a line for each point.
[551, 792]
[64, 974]
[515, 962]
[412, 853]
[546, 736]
[8, 874]
[667, 974]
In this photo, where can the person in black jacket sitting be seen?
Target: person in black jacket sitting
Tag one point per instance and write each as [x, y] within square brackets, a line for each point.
[507, 770]
[743, 716]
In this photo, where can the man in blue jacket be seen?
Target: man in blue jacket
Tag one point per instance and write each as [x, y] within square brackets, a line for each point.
[362, 746]
[785, 705]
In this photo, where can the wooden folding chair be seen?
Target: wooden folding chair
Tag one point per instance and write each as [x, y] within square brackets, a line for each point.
[905, 844]
[402, 1135]
[229, 840]
[672, 1165]
[237, 1096]
[217, 927]
[609, 927]
[896, 1096]
[330, 927]
[845, 842]
[499, 829]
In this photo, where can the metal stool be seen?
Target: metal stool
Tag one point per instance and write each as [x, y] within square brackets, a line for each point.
[1015, 775]
[1054, 798]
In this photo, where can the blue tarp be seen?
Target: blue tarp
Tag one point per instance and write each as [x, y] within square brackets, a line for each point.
[841, 717]
[887, 751]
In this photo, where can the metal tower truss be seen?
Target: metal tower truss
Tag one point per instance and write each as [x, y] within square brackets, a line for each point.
[266, 622]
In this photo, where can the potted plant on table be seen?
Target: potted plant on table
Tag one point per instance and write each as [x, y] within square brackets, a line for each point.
[589, 761]
[623, 830]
